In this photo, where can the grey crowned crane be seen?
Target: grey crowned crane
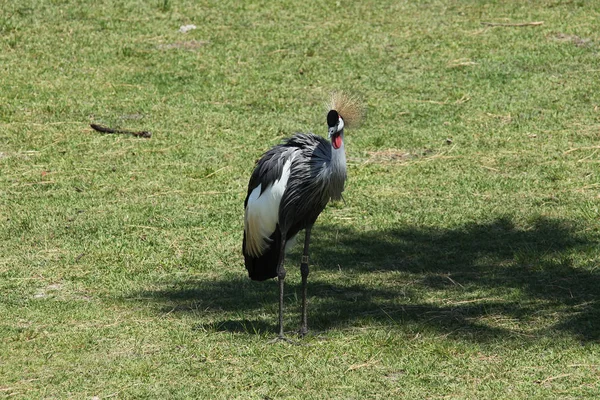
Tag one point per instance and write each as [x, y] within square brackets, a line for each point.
[290, 186]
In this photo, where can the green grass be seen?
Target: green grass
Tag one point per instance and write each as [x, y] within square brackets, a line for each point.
[461, 268]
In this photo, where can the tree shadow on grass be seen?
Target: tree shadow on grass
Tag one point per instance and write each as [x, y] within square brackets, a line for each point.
[496, 271]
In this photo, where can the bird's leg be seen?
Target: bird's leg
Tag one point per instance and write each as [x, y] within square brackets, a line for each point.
[304, 272]
[281, 277]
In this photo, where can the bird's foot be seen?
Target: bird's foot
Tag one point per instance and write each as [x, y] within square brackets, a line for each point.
[282, 338]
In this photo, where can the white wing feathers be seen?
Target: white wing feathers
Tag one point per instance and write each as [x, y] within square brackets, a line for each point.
[262, 212]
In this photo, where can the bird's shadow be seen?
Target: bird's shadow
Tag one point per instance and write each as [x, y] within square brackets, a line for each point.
[495, 270]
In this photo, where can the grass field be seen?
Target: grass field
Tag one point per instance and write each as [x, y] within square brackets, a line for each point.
[463, 263]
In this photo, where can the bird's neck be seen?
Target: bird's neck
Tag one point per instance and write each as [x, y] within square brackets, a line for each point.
[338, 170]
[339, 155]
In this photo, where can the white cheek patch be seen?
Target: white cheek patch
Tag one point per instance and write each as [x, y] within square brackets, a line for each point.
[340, 126]
[262, 213]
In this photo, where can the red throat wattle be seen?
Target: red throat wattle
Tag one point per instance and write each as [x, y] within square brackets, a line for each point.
[336, 141]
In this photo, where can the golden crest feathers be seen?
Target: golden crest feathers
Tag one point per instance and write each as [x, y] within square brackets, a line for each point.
[348, 107]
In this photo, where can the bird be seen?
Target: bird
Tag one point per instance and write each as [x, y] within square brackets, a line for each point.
[289, 187]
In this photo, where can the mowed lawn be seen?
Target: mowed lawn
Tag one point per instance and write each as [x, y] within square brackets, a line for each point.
[463, 263]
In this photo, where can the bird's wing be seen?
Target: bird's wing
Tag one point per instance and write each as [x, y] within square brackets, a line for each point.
[306, 194]
[267, 186]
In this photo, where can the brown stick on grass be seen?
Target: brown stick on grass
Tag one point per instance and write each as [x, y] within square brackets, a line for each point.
[536, 23]
[104, 129]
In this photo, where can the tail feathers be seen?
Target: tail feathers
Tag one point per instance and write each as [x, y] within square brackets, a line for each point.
[265, 266]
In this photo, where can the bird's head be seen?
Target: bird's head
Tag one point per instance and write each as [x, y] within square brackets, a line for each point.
[336, 128]
[344, 111]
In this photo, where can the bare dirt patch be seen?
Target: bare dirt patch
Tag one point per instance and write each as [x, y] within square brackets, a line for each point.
[576, 40]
